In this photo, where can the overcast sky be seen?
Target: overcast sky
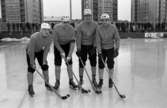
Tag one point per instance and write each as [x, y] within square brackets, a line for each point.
[61, 8]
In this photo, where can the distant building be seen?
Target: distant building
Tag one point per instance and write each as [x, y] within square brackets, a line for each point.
[110, 7]
[88, 4]
[100, 6]
[3, 26]
[149, 11]
[52, 20]
[95, 10]
[22, 11]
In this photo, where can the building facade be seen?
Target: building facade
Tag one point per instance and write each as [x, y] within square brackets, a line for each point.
[101, 6]
[149, 11]
[90, 4]
[95, 10]
[22, 11]
[110, 7]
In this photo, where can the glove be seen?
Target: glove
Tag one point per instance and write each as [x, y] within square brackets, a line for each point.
[116, 53]
[34, 66]
[68, 59]
[78, 53]
[63, 55]
[45, 62]
[93, 51]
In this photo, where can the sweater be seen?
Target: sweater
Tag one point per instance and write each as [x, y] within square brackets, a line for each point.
[63, 33]
[38, 43]
[108, 37]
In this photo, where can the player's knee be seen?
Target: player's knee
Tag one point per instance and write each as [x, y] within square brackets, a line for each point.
[45, 67]
[31, 70]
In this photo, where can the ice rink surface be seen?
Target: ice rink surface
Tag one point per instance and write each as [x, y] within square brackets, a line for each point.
[140, 74]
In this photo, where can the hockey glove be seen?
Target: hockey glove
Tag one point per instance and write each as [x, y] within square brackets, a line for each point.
[116, 53]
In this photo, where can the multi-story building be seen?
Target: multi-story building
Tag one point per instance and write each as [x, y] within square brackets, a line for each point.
[95, 10]
[101, 6]
[149, 11]
[115, 10]
[110, 7]
[90, 4]
[22, 11]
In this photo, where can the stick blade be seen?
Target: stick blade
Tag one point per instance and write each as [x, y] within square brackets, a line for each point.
[123, 96]
[65, 97]
[98, 91]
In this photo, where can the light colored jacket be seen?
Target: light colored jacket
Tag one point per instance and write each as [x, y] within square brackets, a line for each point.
[108, 37]
[63, 34]
[38, 43]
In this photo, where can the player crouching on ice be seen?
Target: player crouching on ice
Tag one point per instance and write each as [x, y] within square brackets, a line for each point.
[38, 47]
[108, 42]
[64, 43]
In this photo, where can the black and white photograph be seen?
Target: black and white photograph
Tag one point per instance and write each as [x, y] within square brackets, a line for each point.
[83, 53]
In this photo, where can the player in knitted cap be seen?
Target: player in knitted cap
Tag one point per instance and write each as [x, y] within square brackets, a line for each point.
[86, 44]
[108, 43]
[38, 47]
[64, 43]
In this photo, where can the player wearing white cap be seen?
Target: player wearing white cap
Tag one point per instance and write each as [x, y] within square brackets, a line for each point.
[64, 43]
[108, 43]
[38, 47]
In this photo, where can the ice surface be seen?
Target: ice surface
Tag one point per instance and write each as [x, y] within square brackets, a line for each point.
[140, 74]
